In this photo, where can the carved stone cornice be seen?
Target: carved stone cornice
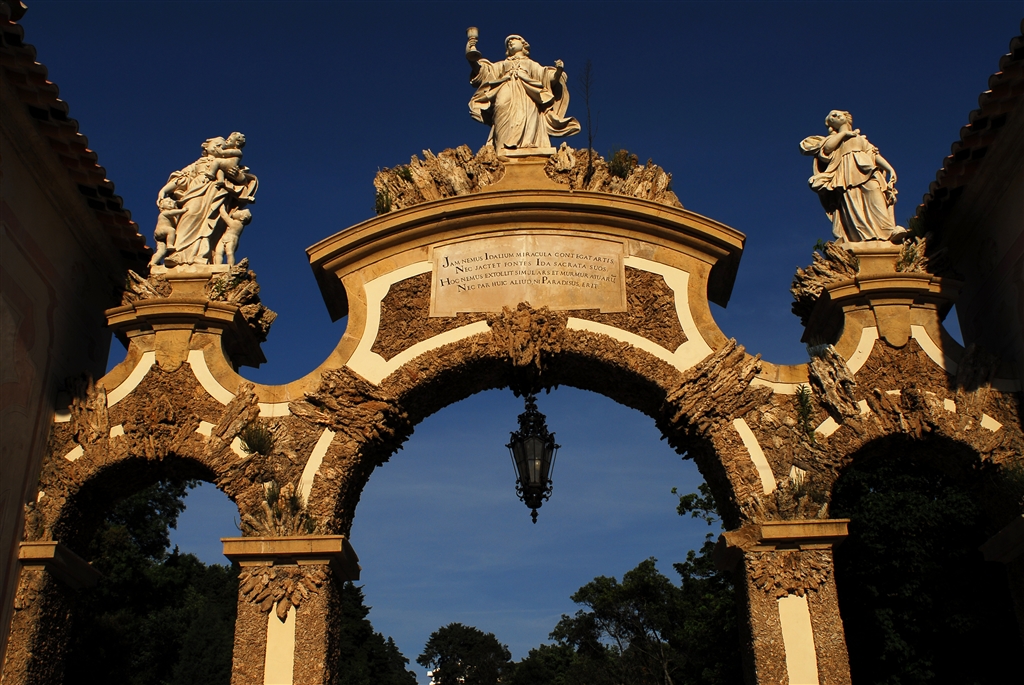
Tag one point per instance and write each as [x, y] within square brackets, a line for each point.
[774, 536]
[187, 310]
[284, 571]
[59, 561]
[328, 550]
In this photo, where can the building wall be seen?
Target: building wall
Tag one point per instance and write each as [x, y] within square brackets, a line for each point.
[991, 305]
[58, 272]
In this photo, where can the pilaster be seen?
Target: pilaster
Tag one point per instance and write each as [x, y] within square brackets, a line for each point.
[796, 633]
[49, 579]
[288, 607]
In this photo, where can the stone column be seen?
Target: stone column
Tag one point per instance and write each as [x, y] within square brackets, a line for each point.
[1007, 547]
[49, 579]
[785, 569]
[288, 607]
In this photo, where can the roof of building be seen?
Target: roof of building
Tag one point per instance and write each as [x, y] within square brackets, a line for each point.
[49, 113]
[1005, 92]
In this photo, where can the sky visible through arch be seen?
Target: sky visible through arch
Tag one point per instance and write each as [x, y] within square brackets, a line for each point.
[719, 94]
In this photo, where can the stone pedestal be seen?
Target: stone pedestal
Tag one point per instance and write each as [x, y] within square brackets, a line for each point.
[285, 632]
[881, 297]
[49, 579]
[187, 319]
[785, 569]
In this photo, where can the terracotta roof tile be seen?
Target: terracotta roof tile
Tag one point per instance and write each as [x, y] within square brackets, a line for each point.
[1005, 90]
[50, 116]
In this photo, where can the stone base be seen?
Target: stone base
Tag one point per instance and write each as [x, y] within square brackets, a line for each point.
[527, 152]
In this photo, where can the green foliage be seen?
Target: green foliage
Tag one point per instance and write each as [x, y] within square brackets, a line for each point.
[365, 657]
[621, 163]
[257, 438]
[285, 511]
[805, 410]
[464, 655]
[648, 630]
[908, 256]
[404, 173]
[157, 617]
[645, 629]
[550, 665]
[382, 204]
[919, 604]
[820, 246]
[699, 505]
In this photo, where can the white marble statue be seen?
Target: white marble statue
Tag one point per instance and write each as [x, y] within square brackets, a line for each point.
[201, 203]
[523, 102]
[850, 179]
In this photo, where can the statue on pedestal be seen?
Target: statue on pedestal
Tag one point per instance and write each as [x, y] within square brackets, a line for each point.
[850, 179]
[523, 102]
[202, 201]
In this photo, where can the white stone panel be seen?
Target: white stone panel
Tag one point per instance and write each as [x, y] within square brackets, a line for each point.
[316, 458]
[277, 667]
[197, 362]
[133, 380]
[764, 470]
[798, 639]
[868, 336]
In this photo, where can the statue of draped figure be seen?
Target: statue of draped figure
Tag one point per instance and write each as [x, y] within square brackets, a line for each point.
[523, 102]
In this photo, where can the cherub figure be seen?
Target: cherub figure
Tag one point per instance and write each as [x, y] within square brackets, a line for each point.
[227, 156]
[235, 223]
[166, 224]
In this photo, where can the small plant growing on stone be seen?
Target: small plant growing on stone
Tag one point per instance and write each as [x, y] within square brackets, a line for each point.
[820, 246]
[282, 512]
[383, 202]
[256, 438]
[405, 173]
[805, 410]
[908, 256]
[621, 163]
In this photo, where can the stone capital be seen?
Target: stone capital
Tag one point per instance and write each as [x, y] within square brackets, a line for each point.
[58, 560]
[770, 536]
[298, 550]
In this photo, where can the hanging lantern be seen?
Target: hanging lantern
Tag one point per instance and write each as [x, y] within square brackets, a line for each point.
[533, 452]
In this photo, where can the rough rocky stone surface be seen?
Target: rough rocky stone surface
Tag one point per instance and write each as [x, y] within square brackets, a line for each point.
[144, 288]
[651, 313]
[451, 173]
[404, 319]
[587, 170]
[917, 255]
[650, 310]
[780, 573]
[282, 587]
[833, 382]
[458, 171]
[831, 264]
[239, 287]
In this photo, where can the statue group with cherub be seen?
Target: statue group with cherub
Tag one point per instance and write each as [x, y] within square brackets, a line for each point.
[203, 206]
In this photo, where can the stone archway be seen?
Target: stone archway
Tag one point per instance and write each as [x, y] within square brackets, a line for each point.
[617, 302]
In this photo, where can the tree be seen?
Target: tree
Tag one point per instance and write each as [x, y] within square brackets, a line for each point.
[464, 655]
[366, 657]
[645, 629]
[919, 604]
[636, 616]
[157, 616]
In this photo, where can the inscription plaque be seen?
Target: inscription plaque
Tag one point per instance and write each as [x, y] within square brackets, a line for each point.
[557, 271]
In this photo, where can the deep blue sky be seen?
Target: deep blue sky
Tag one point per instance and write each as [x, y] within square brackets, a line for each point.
[717, 93]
